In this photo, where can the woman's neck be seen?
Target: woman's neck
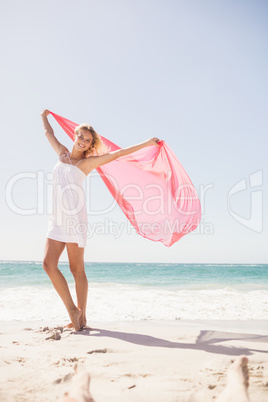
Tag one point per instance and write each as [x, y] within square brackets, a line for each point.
[76, 155]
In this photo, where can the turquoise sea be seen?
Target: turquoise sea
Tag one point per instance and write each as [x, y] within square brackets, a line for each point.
[139, 291]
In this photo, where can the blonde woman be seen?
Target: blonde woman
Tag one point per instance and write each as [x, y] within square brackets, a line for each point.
[68, 220]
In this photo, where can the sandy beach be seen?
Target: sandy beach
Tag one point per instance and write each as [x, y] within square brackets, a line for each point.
[132, 361]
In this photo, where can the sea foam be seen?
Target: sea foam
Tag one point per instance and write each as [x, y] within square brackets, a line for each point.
[115, 302]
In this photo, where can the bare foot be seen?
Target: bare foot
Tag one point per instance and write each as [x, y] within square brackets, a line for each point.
[237, 382]
[75, 316]
[82, 323]
[80, 387]
[70, 325]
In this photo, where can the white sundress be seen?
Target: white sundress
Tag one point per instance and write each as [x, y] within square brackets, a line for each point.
[68, 218]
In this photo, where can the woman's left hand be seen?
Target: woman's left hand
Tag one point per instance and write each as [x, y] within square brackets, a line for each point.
[153, 141]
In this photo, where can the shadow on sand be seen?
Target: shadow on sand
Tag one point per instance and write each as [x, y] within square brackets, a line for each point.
[208, 341]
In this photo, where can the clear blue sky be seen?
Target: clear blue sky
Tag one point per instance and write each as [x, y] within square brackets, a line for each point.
[192, 73]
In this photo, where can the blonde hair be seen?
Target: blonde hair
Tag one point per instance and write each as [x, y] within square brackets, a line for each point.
[97, 147]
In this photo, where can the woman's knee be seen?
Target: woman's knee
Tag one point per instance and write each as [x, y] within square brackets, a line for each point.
[48, 265]
[77, 269]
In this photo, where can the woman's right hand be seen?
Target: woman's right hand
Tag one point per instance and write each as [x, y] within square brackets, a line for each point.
[45, 112]
[153, 141]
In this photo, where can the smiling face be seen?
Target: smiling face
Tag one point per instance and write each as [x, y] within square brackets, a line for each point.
[83, 140]
[87, 140]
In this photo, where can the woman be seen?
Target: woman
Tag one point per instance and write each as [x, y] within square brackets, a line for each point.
[68, 220]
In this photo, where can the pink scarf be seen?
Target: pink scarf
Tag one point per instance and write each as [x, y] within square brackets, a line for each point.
[152, 189]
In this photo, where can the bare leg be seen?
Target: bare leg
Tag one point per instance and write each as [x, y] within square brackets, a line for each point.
[77, 267]
[53, 251]
[237, 382]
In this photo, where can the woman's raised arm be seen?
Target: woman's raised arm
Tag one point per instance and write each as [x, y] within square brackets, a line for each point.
[97, 161]
[56, 145]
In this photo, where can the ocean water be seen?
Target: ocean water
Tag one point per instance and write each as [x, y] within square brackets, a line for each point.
[137, 291]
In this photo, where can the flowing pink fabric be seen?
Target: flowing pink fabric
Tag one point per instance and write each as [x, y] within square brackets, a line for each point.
[152, 189]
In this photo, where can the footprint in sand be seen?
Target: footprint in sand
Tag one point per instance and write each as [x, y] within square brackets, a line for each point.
[47, 329]
[69, 361]
[259, 375]
[98, 351]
